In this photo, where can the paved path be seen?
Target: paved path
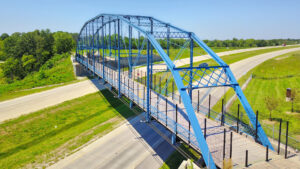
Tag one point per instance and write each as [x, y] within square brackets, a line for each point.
[185, 61]
[132, 145]
[34, 102]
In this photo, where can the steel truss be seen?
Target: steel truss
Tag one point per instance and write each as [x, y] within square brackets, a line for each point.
[105, 39]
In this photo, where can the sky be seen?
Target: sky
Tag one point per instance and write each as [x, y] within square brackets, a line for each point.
[208, 19]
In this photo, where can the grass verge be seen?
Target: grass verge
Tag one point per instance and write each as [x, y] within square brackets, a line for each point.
[43, 137]
[272, 78]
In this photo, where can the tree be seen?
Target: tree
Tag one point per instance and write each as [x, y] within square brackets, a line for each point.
[4, 36]
[12, 68]
[29, 63]
[2, 56]
[63, 42]
[271, 103]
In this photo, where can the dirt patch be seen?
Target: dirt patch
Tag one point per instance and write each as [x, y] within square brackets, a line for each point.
[291, 113]
[269, 122]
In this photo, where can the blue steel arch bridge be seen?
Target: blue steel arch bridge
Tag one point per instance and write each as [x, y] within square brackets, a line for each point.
[130, 52]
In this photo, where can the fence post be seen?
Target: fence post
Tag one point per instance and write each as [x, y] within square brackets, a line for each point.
[238, 119]
[157, 108]
[144, 97]
[230, 155]
[189, 131]
[224, 144]
[278, 151]
[176, 121]
[166, 87]
[166, 112]
[222, 116]
[267, 153]
[205, 128]
[256, 125]
[159, 84]
[172, 90]
[209, 97]
[286, 138]
[246, 161]
[198, 105]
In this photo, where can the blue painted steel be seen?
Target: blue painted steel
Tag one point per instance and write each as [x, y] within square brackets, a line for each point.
[119, 64]
[191, 65]
[103, 47]
[252, 117]
[148, 82]
[139, 23]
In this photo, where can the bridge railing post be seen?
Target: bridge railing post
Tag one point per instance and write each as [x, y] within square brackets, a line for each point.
[224, 143]
[209, 98]
[286, 139]
[278, 151]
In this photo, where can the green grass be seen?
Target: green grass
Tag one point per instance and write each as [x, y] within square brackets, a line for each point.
[229, 59]
[175, 159]
[271, 78]
[57, 70]
[173, 52]
[35, 139]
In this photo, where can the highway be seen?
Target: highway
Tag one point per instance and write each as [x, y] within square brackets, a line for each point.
[34, 102]
[132, 145]
[186, 61]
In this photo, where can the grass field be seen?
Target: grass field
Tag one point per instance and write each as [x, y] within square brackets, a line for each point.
[173, 52]
[272, 78]
[229, 59]
[57, 70]
[33, 140]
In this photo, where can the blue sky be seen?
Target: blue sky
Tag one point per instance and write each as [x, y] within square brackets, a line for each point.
[209, 19]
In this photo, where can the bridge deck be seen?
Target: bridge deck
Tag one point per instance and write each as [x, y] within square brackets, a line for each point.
[163, 110]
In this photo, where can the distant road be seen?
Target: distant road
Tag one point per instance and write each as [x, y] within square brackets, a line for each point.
[185, 61]
[132, 145]
[34, 102]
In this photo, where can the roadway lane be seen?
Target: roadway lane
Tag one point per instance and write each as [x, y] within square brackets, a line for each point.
[181, 62]
[34, 102]
[132, 145]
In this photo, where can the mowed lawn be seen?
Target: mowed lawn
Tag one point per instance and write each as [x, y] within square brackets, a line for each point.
[37, 139]
[272, 78]
[161, 77]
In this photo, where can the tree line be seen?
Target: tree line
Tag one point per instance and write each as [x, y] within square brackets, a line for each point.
[25, 53]
[178, 43]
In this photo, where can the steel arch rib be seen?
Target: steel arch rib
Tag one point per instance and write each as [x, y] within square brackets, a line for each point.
[185, 97]
[261, 134]
[179, 83]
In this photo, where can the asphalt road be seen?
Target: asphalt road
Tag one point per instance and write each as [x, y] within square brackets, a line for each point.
[132, 145]
[185, 61]
[34, 102]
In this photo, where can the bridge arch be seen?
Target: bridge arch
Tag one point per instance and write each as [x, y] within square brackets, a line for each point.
[154, 37]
